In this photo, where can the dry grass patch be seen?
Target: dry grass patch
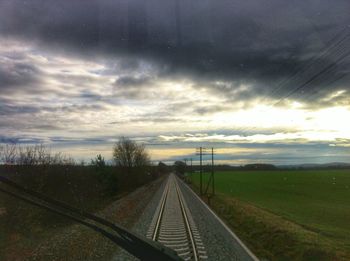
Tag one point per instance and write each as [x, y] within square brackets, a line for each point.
[273, 237]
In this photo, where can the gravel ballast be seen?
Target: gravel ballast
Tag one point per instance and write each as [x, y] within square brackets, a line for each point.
[142, 225]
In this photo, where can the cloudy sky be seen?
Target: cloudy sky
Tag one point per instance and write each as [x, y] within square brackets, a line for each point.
[261, 81]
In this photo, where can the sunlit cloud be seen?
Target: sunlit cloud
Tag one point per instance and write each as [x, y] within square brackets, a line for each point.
[231, 84]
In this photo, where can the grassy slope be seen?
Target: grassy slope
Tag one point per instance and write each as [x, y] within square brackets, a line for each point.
[316, 201]
[23, 226]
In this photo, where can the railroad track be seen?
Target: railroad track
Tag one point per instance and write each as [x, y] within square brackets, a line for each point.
[173, 225]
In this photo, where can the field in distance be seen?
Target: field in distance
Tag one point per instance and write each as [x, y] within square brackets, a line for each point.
[287, 214]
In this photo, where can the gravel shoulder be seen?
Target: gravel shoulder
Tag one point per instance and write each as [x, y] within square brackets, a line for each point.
[219, 241]
[77, 242]
[141, 226]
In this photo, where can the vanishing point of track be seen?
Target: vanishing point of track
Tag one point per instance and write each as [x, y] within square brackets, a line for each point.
[173, 225]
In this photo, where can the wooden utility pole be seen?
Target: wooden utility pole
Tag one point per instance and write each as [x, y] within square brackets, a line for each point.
[212, 170]
[199, 151]
[211, 183]
[200, 169]
[191, 167]
[203, 151]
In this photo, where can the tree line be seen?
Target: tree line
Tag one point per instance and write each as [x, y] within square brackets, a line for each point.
[127, 154]
[14, 154]
[90, 187]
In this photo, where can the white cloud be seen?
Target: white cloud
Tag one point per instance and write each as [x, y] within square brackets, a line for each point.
[77, 97]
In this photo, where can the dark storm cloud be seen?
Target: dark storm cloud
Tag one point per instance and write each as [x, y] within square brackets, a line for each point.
[10, 110]
[203, 110]
[130, 81]
[81, 107]
[272, 46]
[131, 87]
[18, 75]
[19, 140]
[87, 95]
[153, 119]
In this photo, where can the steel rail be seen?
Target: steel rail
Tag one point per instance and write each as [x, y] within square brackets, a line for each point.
[188, 226]
[164, 197]
[178, 232]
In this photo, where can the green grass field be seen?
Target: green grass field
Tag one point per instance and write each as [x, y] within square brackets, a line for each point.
[318, 200]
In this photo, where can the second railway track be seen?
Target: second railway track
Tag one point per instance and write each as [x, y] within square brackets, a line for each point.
[173, 225]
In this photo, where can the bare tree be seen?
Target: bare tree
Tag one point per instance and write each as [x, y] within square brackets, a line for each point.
[26, 156]
[1, 154]
[61, 159]
[129, 154]
[43, 154]
[9, 154]
[32, 155]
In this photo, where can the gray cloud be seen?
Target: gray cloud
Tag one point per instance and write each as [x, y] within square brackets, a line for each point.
[246, 152]
[130, 81]
[105, 66]
[18, 75]
[131, 87]
[203, 110]
[254, 43]
[10, 110]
